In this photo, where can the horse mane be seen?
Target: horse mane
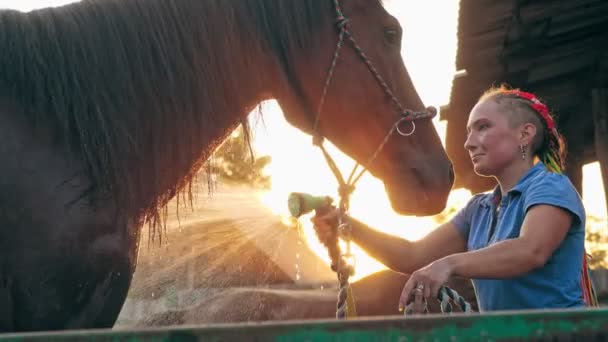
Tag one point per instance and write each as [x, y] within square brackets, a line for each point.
[136, 88]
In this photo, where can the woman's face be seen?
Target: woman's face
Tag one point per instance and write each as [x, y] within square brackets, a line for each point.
[492, 143]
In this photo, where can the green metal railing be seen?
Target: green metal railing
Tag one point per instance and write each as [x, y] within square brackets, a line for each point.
[550, 325]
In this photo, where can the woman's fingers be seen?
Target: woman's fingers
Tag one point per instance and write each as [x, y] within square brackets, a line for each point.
[406, 294]
[427, 291]
[324, 229]
[414, 293]
[419, 303]
[330, 215]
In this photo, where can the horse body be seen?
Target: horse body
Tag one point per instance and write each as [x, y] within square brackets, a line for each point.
[65, 260]
[108, 107]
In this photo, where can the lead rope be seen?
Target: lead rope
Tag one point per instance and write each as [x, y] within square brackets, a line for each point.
[445, 296]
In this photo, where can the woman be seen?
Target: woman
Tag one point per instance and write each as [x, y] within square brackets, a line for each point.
[521, 244]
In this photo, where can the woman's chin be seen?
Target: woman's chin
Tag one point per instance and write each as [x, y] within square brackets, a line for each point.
[480, 170]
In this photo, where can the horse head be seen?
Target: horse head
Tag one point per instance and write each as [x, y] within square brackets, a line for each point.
[351, 86]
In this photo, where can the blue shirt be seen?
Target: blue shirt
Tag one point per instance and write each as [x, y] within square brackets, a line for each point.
[557, 283]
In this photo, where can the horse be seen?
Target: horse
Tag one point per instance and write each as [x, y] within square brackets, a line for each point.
[109, 107]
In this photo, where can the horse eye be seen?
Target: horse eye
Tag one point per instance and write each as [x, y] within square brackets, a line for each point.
[392, 36]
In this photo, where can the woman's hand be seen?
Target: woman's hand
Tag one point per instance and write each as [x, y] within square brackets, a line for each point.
[326, 226]
[425, 282]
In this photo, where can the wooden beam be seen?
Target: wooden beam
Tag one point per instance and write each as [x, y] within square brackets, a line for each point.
[599, 107]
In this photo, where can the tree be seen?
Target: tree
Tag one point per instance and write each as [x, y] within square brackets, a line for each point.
[234, 163]
[596, 241]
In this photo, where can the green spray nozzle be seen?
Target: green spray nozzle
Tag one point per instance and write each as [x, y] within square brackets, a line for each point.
[301, 203]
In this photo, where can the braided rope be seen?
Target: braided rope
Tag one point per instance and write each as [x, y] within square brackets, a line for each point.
[377, 75]
[344, 307]
[445, 294]
[445, 297]
[330, 74]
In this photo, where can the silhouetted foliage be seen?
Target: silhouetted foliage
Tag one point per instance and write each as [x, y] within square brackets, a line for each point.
[234, 163]
[597, 241]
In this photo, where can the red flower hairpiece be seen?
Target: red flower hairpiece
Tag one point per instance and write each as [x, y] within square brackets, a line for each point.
[538, 106]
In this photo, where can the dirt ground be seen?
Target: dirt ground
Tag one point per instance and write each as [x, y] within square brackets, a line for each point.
[232, 260]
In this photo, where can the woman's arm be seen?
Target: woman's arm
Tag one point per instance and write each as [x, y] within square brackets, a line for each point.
[543, 230]
[406, 256]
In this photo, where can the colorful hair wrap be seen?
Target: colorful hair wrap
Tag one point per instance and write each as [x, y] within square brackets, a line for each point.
[589, 294]
[538, 106]
[550, 158]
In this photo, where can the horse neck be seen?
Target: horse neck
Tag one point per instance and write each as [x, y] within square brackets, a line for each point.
[231, 78]
[143, 89]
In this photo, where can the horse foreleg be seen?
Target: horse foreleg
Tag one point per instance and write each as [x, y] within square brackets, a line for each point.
[103, 306]
[114, 263]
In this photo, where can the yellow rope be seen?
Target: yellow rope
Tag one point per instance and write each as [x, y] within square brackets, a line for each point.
[351, 309]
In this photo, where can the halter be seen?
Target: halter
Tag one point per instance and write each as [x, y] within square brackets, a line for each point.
[405, 115]
[340, 266]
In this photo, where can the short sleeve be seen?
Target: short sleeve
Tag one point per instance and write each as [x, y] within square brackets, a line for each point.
[556, 190]
[462, 219]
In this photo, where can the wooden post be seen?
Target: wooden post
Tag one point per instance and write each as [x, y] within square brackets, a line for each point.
[599, 107]
[575, 158]
[574, 169]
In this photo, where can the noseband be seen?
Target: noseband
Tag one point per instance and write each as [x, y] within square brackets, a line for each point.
[340, 264]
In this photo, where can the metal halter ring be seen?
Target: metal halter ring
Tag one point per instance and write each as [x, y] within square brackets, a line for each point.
[405, 134]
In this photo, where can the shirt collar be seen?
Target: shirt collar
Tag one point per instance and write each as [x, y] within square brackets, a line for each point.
[495, 196]
[524, 181]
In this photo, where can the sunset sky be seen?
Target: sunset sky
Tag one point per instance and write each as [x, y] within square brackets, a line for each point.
[429, 49]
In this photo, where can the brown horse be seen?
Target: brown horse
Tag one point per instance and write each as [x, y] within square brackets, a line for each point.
[109, 107]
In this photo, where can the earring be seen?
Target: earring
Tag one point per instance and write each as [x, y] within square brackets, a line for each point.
[523, 152]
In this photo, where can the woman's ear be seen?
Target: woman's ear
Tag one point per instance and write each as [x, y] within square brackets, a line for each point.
[527, 133]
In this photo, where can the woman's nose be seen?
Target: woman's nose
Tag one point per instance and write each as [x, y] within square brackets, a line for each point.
[468, 143]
